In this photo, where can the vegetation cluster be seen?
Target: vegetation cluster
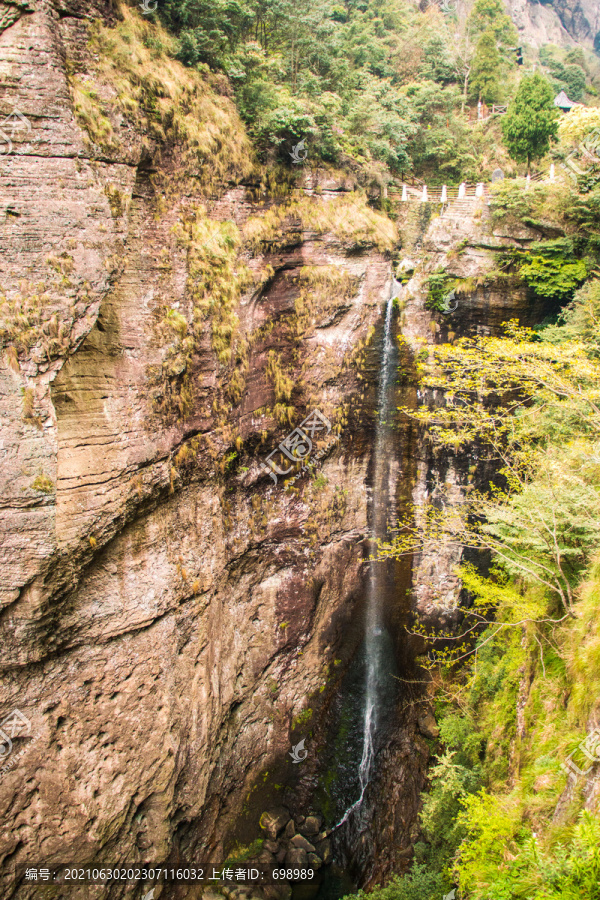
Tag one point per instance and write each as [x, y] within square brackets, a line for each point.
[381, 85]
[516, 684]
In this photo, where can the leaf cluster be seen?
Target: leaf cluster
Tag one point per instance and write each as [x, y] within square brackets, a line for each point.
[531, 123]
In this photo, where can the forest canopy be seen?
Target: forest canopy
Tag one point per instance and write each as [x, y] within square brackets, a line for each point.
[378, 84]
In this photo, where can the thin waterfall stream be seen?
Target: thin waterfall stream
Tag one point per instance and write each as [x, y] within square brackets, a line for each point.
[375, 633]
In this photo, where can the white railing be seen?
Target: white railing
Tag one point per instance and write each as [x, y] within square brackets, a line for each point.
[420, 193]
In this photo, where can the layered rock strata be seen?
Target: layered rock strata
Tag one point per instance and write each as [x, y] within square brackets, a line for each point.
[166, 609]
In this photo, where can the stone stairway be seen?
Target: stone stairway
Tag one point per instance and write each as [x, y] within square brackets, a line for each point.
[456, 209]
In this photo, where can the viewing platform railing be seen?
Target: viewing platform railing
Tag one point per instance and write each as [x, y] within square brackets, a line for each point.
[415, 190]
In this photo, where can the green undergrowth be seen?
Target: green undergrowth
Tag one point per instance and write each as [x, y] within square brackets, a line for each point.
[568, 223]
[516, 683]
[550, 268]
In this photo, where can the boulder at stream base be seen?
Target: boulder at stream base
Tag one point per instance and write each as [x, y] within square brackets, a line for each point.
[273, 821]
[312, 825]
[296, 858]
[300, 842]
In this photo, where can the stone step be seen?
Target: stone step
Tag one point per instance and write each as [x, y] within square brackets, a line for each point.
[462, 207]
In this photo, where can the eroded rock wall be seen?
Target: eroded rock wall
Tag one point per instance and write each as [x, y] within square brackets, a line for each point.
[170, 616]
[465, 242]
[166, 609]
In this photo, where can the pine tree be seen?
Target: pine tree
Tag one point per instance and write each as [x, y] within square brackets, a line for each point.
[490, 15]
[486, 70]
[531, 121]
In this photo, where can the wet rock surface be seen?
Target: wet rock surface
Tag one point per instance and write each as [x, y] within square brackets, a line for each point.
[167, 611]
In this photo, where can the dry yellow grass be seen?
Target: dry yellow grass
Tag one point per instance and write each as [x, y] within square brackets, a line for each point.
[322, 290]
[133, 76]
[347, 216]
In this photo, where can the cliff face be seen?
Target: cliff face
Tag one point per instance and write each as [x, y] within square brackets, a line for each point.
[166, 608]
[555, 21]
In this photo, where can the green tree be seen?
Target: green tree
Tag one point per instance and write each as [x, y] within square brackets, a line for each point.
[487, 69]
[207, 30]
[437, 62]
[531, 121]
[574, 82]
[576, 57]
[489, 15]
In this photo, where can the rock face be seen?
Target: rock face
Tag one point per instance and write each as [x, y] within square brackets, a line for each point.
[561, 22]
[167, 610]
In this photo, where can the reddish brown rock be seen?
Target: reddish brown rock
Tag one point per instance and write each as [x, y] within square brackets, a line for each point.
[155, 583]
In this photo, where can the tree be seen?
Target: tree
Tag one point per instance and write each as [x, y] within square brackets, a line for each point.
[463, 62]
[486, 69]
[574, 82]
[437, 63]
[531, 121]
[489, 15]
[207, 30]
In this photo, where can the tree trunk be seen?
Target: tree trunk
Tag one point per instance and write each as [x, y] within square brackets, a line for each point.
[465, 88]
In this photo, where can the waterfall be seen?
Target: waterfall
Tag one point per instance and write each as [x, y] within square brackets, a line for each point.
[374, 626]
